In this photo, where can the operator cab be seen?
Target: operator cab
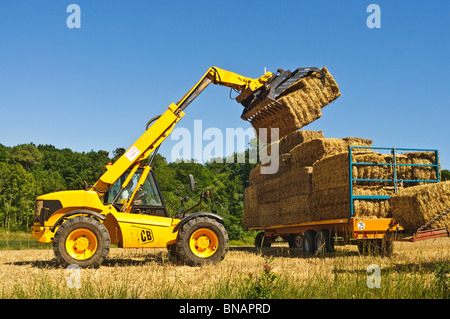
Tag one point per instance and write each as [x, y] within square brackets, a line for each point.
[148, 199]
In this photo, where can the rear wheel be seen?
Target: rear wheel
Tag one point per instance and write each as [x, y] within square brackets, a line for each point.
[324, 242]
[309, 242]
[202, 240]
[261, 241]
[295, 241]
[83, 241]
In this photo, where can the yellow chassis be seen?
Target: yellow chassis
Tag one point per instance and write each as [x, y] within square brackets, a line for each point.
[125, 229]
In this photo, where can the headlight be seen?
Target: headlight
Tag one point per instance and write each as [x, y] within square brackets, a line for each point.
[37, 209]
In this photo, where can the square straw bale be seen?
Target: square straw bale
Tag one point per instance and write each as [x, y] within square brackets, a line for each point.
[256, 177]
[297, 181]
[250, 216]
[335, 203]
[301, 104]
[270, 214]
[288, 142]
[414, 172]
[306, 154]
[332, 171]
[269, 191]
[358, 141]
[414, 206]
[294, 210]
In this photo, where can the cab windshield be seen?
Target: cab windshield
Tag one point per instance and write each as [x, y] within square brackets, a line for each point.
[148, 195]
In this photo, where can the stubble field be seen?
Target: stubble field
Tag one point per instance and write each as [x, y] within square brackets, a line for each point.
[415, 270]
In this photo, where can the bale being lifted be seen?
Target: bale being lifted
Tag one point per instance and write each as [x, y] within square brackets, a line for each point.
[298, 104]
[289, 105]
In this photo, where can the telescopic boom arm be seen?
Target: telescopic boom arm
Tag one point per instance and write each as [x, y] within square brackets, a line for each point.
[163, 125]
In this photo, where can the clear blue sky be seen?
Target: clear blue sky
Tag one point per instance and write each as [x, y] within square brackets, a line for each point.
[95, 88]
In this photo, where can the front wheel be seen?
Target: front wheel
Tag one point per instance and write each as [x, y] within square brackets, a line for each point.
[83, 241]
[202, 240]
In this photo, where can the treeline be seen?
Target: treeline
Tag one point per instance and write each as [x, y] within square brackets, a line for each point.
[27, 171]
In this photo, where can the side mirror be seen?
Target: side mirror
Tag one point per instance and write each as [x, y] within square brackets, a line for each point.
[192, 182]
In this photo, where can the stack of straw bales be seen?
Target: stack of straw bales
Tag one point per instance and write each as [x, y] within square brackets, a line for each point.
[312, 182]
[301, 104]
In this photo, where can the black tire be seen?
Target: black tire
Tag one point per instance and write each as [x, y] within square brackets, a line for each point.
[309, 242]
[261, 241]
[173, 254]
[295, 240]
[96, 231]
[216, 242]
[324, 242]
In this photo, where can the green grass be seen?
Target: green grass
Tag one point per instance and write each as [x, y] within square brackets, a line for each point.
[19, 241]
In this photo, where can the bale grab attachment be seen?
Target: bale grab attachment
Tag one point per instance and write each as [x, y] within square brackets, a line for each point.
[289, 100]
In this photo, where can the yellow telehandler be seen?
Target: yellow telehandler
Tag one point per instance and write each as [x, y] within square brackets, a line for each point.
[125, 207]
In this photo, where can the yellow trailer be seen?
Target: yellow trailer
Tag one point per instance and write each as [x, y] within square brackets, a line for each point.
[321, 236]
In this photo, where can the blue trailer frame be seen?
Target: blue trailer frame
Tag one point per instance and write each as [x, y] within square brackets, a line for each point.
[394, 179]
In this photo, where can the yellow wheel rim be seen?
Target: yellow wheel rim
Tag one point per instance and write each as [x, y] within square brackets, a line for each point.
[81, 244]
[204, 243]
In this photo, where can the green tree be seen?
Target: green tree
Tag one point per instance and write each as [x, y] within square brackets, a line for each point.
[118, 152]
[26, 155]
[445, 175]
[3, 153]
[18, 190]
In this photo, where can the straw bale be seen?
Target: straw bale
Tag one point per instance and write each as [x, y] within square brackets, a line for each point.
[335, 202]
[358, 141]
[288, 176]
[295, 209]
[256, 177]
[270, 214]
[297, 181]
[285, 119]
[250, 214]
[269, 191]
[306, 154]
[333, 171]
[251, 197]
[301, 104]
[413, 172]
[288, 142]
[370, 209]
[413, 207]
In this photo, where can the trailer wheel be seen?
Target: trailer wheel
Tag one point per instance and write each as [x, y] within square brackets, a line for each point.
[261, 240]
[309, 239]
[83, 241]
[324, 242]
[295, 240]
[202, 240]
